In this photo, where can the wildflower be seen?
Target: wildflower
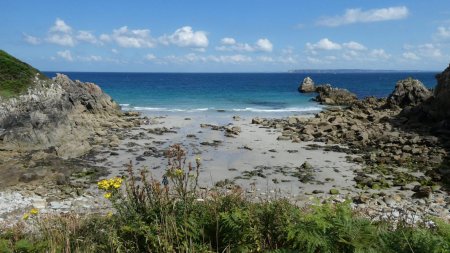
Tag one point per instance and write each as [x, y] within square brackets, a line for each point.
[26, 216]
[116, 182]
[109, 214]
[107, 195]
[34, 211]
[178, 172]
[198, 159]
[103, 184]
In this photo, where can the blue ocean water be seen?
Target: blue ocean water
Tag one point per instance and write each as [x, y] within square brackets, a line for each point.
[271, 93]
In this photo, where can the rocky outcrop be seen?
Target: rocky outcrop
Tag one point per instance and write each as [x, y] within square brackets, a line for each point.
[307, 86]
[408, 92]
[439, 105]
[60, 114]
[334, 96]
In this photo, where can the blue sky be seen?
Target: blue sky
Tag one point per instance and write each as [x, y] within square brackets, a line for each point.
[227, 36]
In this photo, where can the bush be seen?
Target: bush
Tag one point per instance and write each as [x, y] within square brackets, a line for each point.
[175, 216]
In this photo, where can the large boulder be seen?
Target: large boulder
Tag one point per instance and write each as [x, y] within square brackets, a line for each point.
[440, 104]
[307, 86]
[408, 92]
[334, 96]
[60, 114]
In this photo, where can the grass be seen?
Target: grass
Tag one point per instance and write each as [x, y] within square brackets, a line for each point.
[15, 76]
[176, 216]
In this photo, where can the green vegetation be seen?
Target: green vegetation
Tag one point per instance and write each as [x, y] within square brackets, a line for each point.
[176, 216]
[15, 75]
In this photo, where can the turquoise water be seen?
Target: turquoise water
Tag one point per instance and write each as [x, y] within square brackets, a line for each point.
[261, 93]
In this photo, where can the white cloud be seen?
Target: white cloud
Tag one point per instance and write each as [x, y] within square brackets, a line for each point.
[234, 59]
[87, 36]
[91, 58]
[228, 41]
[410, 56]
[186, 37]
[353, 45]
[266, 59]
[115, 51]
[150, 57]
[66, 54]
[264, 45]
[31, 39]
[443, 32]
[429, 50]
[230, 44]
[61, 39]
[323, 44]
[379, 54]
[60, 26]
[359, 16]
[139, 38]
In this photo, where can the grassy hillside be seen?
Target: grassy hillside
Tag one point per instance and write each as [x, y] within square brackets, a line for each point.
[15, 76]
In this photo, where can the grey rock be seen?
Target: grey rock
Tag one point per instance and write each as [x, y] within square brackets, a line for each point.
[307, 86]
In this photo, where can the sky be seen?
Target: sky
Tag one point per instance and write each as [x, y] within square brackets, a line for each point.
[227, 36]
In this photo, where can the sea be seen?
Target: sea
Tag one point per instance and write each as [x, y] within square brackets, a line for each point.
[260, 94]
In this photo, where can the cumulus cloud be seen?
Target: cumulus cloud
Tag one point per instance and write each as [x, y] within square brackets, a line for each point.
[61, 39]
[410, 56]
[230, 44]
[228, 41]
[66, 54]
[264, 45]
[443, 32]
[124, 37]
[60, 26]
[31, 39]
[354, 46]
[61, 34]
[90, 58]
[186, 37]
[360, 16]
[323, 44]
[150, 57]
[87, 36]
[380, 54]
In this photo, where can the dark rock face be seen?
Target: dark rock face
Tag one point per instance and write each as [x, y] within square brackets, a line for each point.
[58, 113]
[441, 101]
[334, 96]
[307, 86]
[408, 92]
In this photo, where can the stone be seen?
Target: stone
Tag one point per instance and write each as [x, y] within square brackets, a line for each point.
[307, 85]
[28, 177]
[334, 96]
[334, 191]
[408, 92]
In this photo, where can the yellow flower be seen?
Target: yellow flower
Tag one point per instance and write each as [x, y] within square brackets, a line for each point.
[103, 184]
[26, 216]
[107, 195]
[116, 182]
[198, 159]
[34, 211]
[109, 214]
[178, 172]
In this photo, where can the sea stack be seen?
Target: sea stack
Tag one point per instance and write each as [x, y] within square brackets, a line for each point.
[307, 86]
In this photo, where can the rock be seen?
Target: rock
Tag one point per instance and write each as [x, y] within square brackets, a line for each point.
[307, 86]
[58, 113]
[317, 191]
[422, 191]
[307, 166]
[28, 177]
[334, 96]
[61, 179]
[408, 92]
[334, 191]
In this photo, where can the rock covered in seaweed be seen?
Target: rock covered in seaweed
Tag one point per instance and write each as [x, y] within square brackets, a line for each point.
[334, 96]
